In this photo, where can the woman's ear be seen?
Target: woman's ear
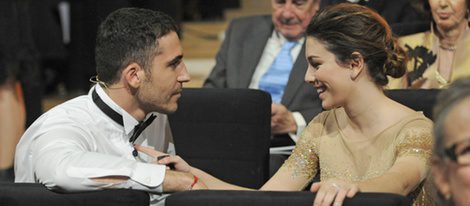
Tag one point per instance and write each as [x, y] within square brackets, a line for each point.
[440, 175]
[356, 64]
[133, 75]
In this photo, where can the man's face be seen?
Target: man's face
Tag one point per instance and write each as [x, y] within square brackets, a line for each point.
[161, 88]
[291, 17]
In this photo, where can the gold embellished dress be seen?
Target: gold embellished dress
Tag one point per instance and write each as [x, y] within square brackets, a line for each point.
[323, 148]
[422, 50]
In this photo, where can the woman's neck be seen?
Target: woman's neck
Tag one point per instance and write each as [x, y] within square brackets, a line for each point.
[449, 37]
[363, 110]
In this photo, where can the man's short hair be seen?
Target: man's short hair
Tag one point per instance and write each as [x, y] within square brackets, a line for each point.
[129, 35]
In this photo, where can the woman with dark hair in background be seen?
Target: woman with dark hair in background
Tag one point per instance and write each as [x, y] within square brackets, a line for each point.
[19, 74]
[365, 141]
[12, 118]
[451, 159]
[439, 56]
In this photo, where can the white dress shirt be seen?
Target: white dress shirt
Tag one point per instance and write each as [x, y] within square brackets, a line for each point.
[76, 141]
[270, 52]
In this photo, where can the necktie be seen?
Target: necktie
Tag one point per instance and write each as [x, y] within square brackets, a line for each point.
[275, 79]
[138, 129]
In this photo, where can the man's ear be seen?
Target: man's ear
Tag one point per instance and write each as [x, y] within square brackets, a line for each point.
[356, 64]
[133, 74]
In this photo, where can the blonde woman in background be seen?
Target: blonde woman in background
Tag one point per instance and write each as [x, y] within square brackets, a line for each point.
[439, 56]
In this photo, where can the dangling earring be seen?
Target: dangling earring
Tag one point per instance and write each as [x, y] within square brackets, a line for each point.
[448, 199]
[447, 196]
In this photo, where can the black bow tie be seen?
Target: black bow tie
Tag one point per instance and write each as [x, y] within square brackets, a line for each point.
[138, 129]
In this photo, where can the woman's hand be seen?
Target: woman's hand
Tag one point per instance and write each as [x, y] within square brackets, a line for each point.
[175, 162]
[333, 191]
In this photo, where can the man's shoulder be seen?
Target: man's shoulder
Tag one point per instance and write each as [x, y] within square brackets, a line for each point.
[78, 107]
[250, 20]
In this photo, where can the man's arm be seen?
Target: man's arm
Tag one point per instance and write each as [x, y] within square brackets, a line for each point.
[69, 163]
[174, 181]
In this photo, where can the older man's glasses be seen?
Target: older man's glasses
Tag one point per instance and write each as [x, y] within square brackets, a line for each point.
[459, 152]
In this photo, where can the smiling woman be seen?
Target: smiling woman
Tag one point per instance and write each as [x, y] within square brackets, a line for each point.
[366, 141]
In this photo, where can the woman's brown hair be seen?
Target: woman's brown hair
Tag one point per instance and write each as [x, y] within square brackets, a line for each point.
[346, 28]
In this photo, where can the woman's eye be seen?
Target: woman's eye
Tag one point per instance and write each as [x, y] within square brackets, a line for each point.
[465, 151]
[315, 66]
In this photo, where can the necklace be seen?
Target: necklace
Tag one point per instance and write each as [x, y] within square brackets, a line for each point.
[450, 48]
[441, 80]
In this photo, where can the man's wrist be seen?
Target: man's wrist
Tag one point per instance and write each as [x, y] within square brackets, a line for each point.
[195, 180]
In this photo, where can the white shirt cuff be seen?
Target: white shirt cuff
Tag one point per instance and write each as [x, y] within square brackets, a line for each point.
[300, 122]
[149, 175]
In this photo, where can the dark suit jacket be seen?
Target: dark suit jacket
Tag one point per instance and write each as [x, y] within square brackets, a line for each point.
[239, 55]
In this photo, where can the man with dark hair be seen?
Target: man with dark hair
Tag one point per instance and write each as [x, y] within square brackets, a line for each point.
[87, 143]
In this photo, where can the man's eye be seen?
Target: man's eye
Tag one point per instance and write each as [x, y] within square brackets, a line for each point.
[174, 64]
[299, 3]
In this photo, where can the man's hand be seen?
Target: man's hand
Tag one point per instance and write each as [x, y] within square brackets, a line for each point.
[165, 159]
[181, 181]
[282, 120]
[333, 191]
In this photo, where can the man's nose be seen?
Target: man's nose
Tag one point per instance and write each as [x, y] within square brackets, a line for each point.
[287, 11]
[184, 74]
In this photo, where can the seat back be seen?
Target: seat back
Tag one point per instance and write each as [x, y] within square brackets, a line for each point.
[225, 132]
[417, 99]
[408, 28]
[26, 194]
[244, 198]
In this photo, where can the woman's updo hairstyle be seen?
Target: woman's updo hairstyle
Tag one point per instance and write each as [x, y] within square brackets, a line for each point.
[346, 28]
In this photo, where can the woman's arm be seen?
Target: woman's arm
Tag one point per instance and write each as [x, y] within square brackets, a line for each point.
[404, 176]
[214, 183]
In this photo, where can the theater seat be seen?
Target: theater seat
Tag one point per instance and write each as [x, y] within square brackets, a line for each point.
[409, 28]
[245, 198]
[417, 99]
[225, 132]
[28, 194]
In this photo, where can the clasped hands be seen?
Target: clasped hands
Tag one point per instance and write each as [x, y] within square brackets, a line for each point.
[282, 120]
[333, 192]
[173, 162]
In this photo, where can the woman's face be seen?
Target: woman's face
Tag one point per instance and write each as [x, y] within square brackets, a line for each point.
[448, 14]
[331, 80]
[453, 179]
